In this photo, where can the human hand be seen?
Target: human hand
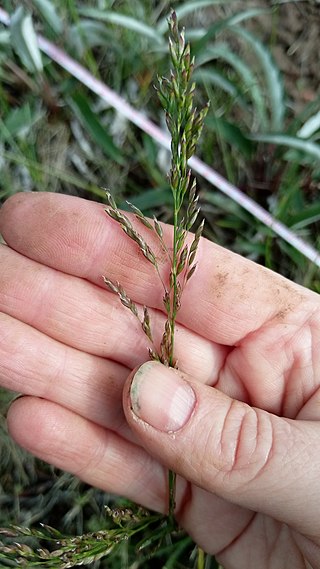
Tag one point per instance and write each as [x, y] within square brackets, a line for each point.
[244, 424]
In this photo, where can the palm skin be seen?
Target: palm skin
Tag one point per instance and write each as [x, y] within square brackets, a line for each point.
[247, 341]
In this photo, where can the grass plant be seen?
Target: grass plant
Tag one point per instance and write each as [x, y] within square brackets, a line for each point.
[185, 125]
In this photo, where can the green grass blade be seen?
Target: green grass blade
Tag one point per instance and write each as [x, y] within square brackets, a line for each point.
[49, 14]
[306, 146]
[4, 38]
[99, 134]
[88, 34]
[124, 21]
[151, 199]
[272, 77]
[24, 40]
[18, 122]
[212, 76]
[63, 175]
[221, 25]
[190, 7]
[222, 51]
[309, 214]
[310, 127]
[228, 206]
[232, 134]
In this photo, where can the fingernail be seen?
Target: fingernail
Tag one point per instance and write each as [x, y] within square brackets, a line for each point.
[161, 398]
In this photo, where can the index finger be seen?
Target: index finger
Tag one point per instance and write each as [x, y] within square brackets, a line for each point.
[227, 298]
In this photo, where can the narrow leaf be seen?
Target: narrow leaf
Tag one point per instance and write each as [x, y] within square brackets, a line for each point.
[49, 14]
[152, 198]
[211, 75]
[19, 122]
[305, 146]
[309, 214]
[91, 122]
[188, 8]
[124, 21]
[232, 134]
[253, 89]
[311, 126]
[221, 25]
[24, 40]
[272, 77]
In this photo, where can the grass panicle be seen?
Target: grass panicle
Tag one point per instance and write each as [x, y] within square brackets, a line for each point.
[185, 123]
[65, 551]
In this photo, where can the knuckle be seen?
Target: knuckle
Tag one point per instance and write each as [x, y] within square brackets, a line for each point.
[240, 450]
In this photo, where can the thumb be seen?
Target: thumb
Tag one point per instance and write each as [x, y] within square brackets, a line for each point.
[245, 455]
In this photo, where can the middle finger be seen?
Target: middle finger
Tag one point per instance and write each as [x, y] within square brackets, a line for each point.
[35, 364]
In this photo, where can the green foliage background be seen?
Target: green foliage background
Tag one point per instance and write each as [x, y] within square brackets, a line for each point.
[55, 135]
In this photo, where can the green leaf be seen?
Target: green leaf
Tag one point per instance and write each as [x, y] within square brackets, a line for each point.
[53, 172]
[87, 34]
[98, 133]
[298, 258]
[309, 214]
[221, 25]
[310, 127]
[305, 146]
[227, 205]
[49, 14]
[232, 134]
[272, 77]
[222, 51]
[190, 7]
[307, 111]
[210, 75]
[24, 40]
[150, 199]
[124, 21]
[4, 37]
[18, 122]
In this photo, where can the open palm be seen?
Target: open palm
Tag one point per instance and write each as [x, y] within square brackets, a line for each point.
[248, 341]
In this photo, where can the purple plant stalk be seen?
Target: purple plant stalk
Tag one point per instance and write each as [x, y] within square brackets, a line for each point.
[162, 138]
